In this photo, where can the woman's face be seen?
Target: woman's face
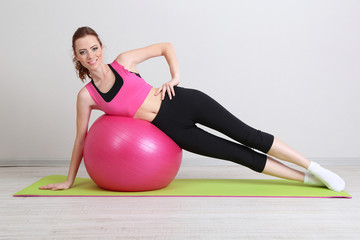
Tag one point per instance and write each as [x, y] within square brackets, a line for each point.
[88, 51]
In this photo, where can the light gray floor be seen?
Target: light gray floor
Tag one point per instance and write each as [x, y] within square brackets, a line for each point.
[176, 218]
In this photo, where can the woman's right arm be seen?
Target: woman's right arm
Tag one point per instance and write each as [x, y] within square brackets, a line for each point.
[83, 109]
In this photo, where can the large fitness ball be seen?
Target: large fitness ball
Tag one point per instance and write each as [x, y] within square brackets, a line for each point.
[127, 154]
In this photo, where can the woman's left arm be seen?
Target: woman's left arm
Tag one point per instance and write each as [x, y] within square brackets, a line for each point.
[132, 58]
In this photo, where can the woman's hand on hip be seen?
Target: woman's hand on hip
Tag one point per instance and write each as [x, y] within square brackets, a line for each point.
[168, 88]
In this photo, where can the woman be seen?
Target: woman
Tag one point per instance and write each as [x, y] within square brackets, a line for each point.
[118, 89]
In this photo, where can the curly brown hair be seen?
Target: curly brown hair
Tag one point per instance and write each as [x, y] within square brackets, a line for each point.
[82, 71]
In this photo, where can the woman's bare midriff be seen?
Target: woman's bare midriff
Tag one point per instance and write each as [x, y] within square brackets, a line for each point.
[150, 107]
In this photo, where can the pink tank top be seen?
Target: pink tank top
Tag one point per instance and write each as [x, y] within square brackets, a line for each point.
[129, 98]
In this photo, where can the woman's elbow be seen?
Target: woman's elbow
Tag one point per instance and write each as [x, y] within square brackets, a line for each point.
[167, 47]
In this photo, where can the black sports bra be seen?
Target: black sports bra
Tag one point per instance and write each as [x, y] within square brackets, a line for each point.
[108, 96]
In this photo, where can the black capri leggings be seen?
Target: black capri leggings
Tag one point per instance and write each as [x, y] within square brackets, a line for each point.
[177, 119]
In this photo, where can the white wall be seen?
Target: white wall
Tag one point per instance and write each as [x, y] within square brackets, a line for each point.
[291, 68]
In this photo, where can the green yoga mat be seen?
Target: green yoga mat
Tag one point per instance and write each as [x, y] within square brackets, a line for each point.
[84, 187]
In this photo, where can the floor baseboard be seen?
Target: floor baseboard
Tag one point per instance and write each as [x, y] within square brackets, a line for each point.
[186, 162]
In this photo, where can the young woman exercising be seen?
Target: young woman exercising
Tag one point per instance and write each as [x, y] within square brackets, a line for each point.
[118, 89]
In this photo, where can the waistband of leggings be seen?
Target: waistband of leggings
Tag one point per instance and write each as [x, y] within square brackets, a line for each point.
[163, 105]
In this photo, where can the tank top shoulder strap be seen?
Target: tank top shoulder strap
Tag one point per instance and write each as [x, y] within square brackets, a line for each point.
[93, 93]
[119, 68]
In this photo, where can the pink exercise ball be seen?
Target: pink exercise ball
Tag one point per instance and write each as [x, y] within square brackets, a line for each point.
[127, 154]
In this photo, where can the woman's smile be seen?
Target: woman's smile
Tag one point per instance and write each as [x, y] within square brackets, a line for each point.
[93, 62]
